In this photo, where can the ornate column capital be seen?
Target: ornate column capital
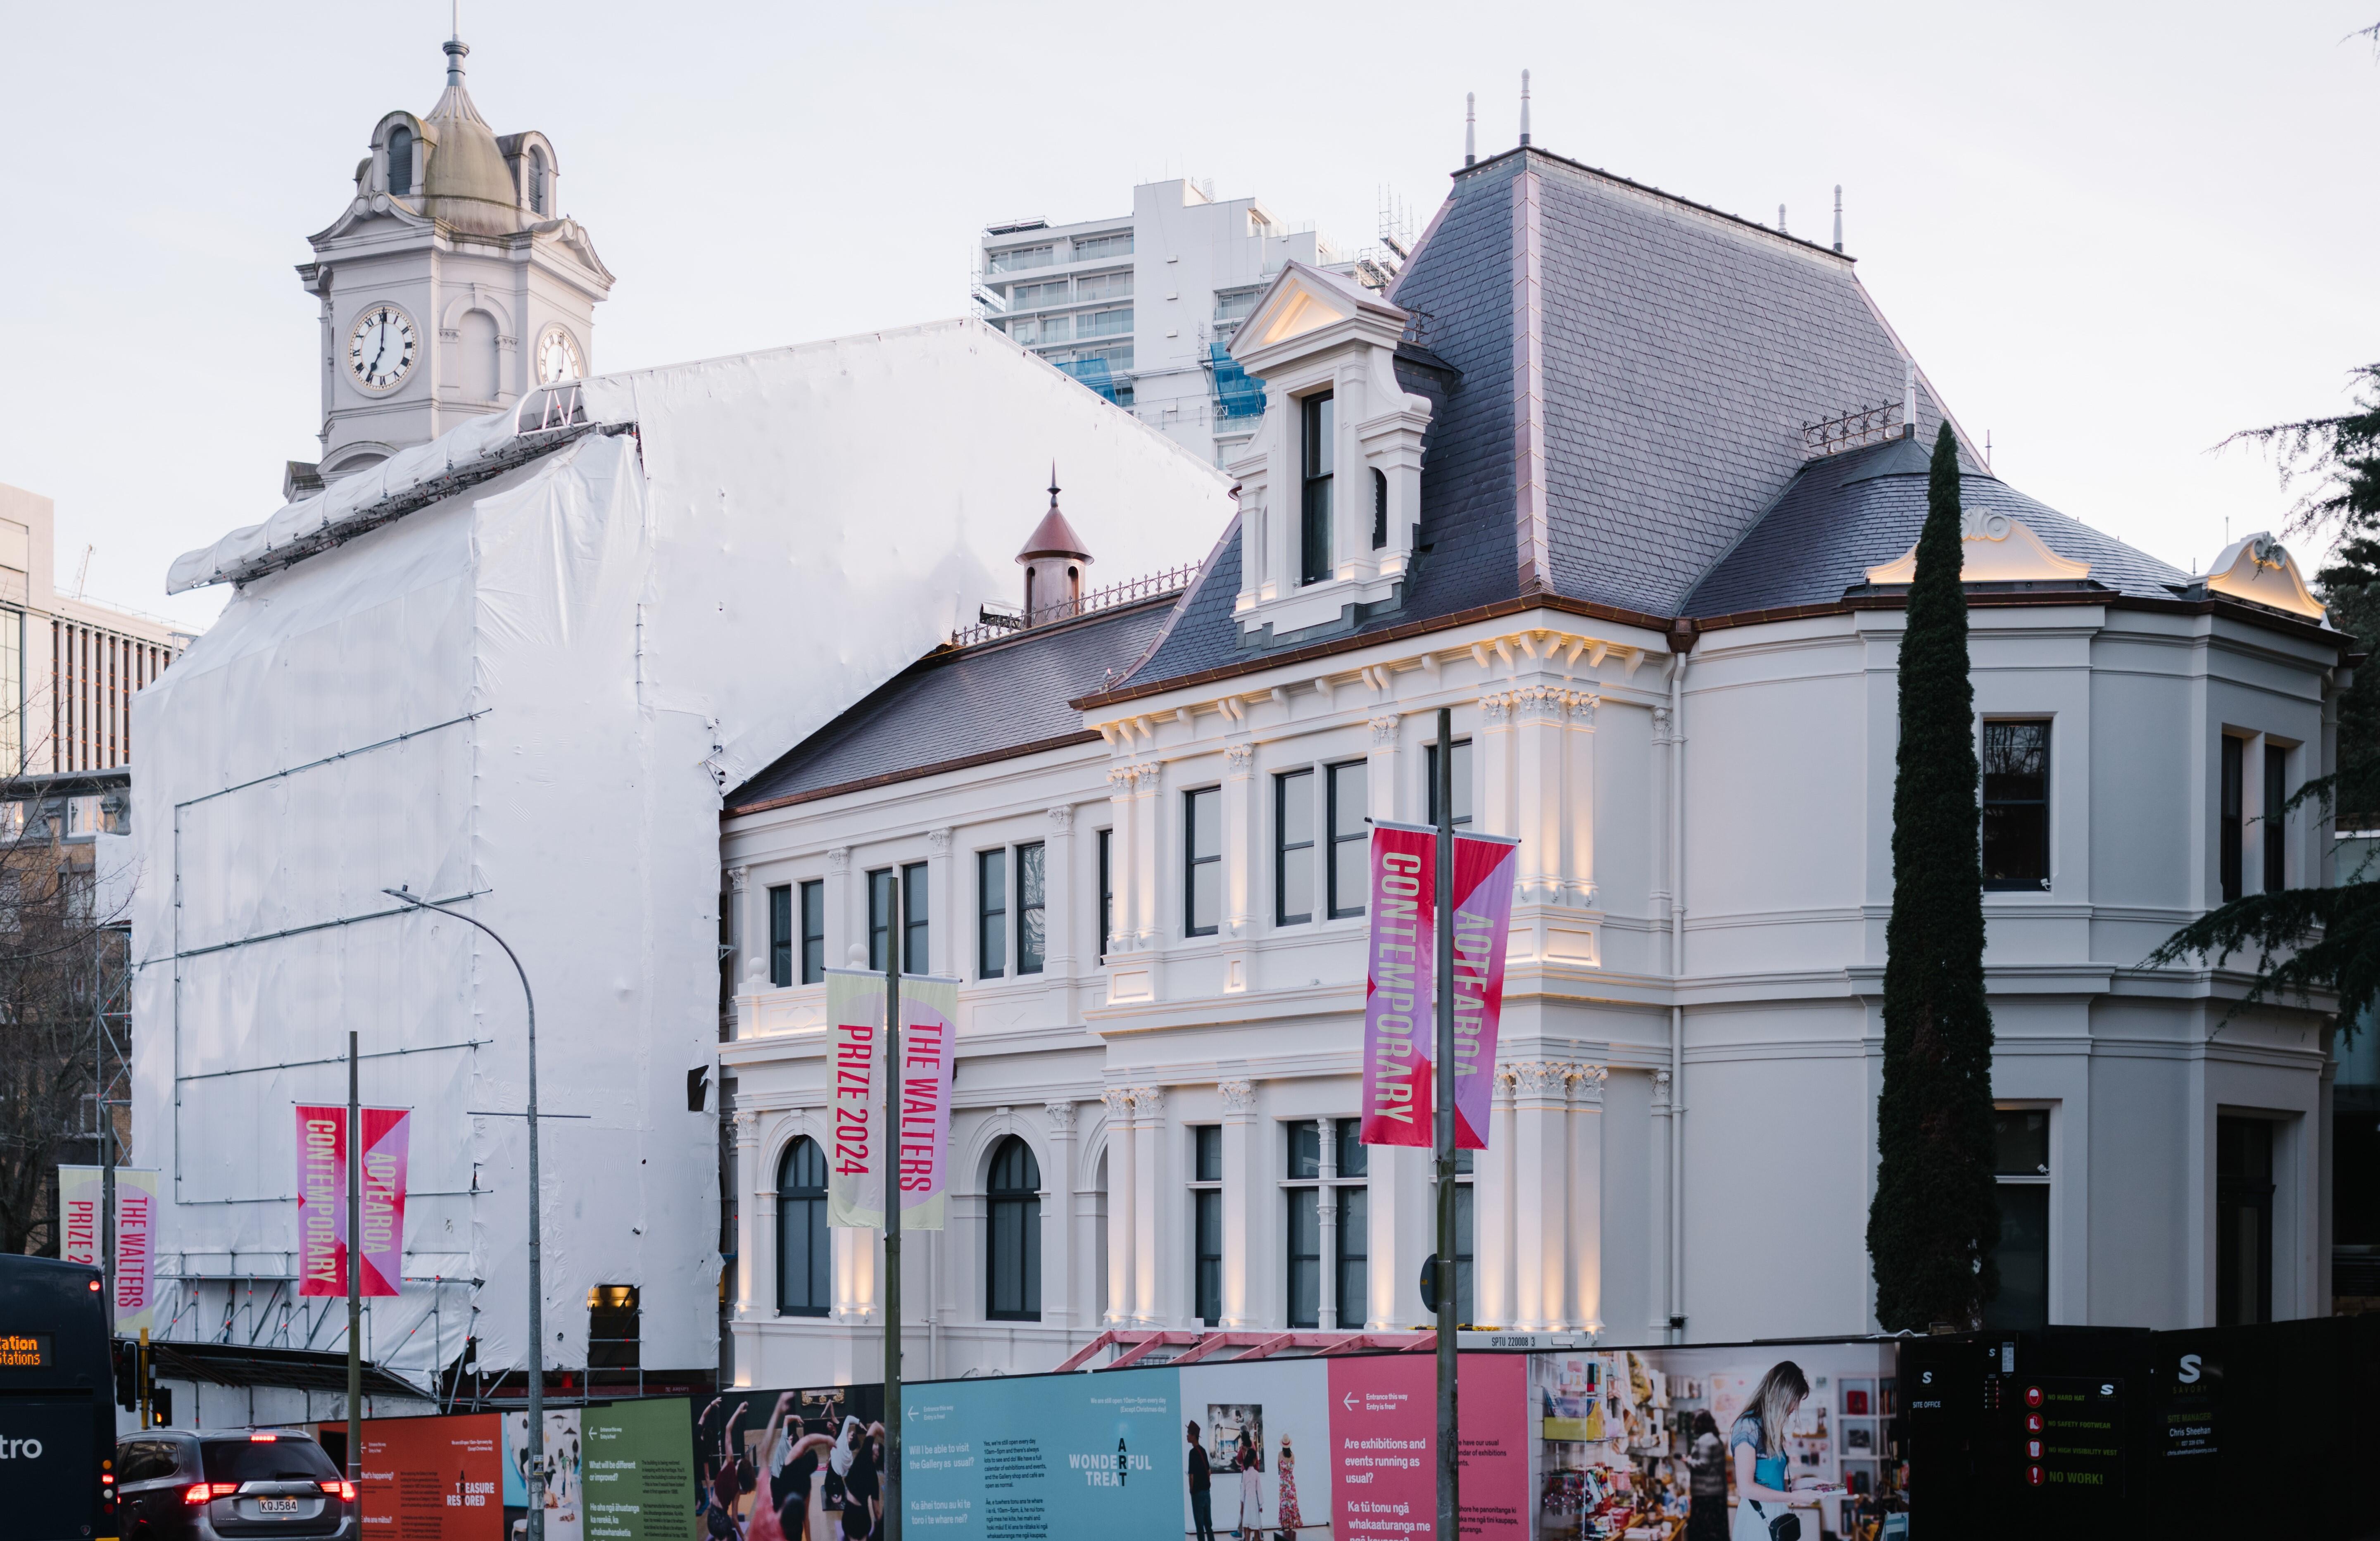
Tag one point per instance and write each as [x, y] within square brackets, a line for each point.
[1540, 1078]
[1061, 818]
[1583, 706]
[1119, 779]
[939, 841]
[1239, 1099]
[1119, 1105]
[1387, 728]
[1144, 777]
[1240, 757]
[1149, 1103]
[838, 860]
[1587, 1084]
[1060, 1117]
[1494, 710]
[738, 877]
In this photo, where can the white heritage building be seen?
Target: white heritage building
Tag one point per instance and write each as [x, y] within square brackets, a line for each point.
[1562, 479]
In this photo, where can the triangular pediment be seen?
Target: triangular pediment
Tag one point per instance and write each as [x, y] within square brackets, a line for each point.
[1305, 300]
[2259, 569]
[1995, 548]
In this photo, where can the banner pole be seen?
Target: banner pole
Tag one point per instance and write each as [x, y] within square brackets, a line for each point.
[1450, 1462]
[889, 1480]
[354, 1282]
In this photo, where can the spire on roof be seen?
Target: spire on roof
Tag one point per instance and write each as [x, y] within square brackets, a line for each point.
[1524, 106]
[1838, 216]
[1470, 127]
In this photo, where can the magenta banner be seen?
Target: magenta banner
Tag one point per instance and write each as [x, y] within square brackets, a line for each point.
[1484, 866]
[929, 1004]
[1397, 992]
[323, 1224]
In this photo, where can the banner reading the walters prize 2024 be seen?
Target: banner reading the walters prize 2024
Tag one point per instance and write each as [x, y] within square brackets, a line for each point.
[1397, 1024]
[855, 1016]
[1482, 908]
[854, 1191]
[81, 1192]
[930, 1006]
[323, 1199]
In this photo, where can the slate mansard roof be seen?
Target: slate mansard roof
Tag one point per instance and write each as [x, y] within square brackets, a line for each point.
[1680, 352]
[962, 706]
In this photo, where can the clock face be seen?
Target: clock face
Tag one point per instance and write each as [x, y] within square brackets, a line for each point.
[557, 356]
[382, 347]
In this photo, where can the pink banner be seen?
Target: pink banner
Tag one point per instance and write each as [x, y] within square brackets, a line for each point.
[1397, 993]
[324, 1226]
[1484, 868]
[928, 1005]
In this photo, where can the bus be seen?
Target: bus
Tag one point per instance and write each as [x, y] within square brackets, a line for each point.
[57, 1402]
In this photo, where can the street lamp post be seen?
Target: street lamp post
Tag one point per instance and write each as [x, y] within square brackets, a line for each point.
[536, 1474]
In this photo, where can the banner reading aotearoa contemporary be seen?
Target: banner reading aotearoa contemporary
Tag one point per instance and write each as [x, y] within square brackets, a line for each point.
[1397, 995]
[929, 1007]
[855, 1016]
[81, 1192]
[1482, 911]
[322, 1223]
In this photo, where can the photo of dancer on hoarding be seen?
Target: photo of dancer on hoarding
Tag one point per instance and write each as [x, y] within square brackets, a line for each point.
[1756, 1444]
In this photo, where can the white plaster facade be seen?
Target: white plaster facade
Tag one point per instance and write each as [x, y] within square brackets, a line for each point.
[1684, 1136]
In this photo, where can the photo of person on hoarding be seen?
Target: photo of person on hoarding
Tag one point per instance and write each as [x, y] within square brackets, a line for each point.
[1757, 1445]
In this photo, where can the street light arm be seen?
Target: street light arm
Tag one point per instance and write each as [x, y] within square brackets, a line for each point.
[536, 1474]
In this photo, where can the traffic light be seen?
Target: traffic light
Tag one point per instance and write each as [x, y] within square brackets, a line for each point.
[127, 1373]
[160, 1406]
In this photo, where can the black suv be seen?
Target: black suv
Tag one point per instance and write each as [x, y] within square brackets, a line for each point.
[180, 1486]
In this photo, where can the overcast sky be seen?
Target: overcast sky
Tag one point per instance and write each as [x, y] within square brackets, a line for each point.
[2111, 234]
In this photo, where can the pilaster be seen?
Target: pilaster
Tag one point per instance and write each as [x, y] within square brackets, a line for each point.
[755, 1288]
[1059, 935]
[1123, 1182]
[1491, 765]
[1586, 1218]
[1540, 1097]
[1058, 1296]
[943, 953]
[1493, 1209]
[843, 924]
[1152, 1296]
[1242, 1206]
[1242, 822]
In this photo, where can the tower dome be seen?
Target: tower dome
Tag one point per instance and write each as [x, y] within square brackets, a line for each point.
[467, 185]
[1053, 560]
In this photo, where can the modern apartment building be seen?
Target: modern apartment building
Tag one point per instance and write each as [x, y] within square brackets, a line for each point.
[1142, 308]
[67, 667]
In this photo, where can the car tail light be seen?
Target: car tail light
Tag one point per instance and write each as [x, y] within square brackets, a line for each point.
[262, 1438]
[198, 1492]
[342, 1489]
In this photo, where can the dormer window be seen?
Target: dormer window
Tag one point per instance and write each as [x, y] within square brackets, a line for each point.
[536, 180]
[400, 161]
[1320, 417]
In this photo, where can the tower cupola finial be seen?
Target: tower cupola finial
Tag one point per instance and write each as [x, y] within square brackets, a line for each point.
[1524, 106]
[1470, 127]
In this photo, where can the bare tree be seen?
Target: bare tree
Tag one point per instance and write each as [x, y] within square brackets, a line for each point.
[63, 955]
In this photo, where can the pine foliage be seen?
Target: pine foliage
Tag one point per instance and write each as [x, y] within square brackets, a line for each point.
[1934, 1220]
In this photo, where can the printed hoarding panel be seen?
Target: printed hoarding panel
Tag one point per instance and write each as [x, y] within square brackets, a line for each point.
[566, 1490]
[823, 1461]
[1264, 1429]
[432, 1479]
[1384, 1442]
[639, 1470]
[1045, 1457]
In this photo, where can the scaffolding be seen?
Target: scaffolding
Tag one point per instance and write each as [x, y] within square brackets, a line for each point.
[1237, 395]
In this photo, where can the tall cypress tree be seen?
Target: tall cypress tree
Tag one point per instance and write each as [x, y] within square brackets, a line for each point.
[1935, 1218]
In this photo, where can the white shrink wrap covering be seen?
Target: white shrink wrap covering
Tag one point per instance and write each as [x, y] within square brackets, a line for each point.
[526, 694]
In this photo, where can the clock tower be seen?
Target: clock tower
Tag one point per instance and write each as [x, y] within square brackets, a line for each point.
[450, 285]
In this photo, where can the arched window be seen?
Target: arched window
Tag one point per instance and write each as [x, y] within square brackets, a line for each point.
[1014, 1292]
[400, 161]
[536, 180]
[804, 1259]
